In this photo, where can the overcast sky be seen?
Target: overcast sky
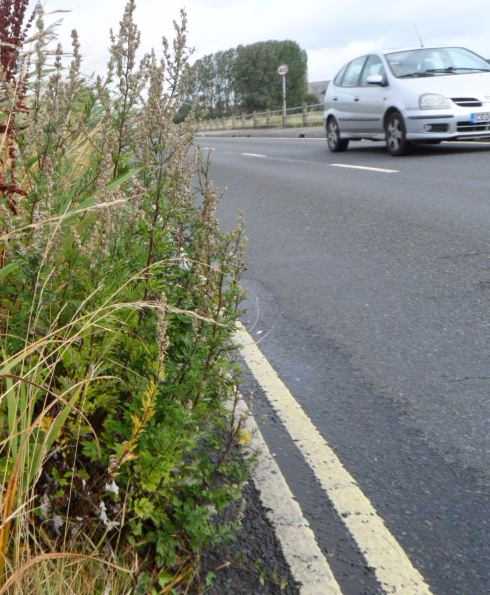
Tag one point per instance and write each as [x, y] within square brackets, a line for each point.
[332, 31]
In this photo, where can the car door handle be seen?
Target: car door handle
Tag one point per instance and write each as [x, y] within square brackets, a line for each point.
[335, 98]
[356, 99]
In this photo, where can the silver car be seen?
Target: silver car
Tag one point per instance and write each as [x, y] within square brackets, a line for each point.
[423, 95]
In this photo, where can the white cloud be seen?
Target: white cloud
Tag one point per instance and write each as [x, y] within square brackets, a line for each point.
[332, 31]
[323, 63]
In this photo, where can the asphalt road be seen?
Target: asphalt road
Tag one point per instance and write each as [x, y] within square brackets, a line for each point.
[369, 291]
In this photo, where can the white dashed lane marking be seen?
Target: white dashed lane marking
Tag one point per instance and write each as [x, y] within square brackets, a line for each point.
[254, 155]
[366, 168]
[394, 570]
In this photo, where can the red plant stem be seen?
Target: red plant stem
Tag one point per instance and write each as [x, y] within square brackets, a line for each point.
[13, 34]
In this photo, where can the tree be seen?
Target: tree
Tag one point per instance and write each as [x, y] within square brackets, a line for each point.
[257, 84]
[246, 79]
[212, 83]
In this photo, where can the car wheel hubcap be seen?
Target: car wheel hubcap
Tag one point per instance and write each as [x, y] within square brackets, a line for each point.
[333, 134]
[395, 134]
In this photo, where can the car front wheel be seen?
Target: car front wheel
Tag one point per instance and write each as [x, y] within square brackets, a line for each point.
[336, 144]
[396, 135]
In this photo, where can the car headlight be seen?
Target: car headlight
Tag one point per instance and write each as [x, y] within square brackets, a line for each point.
[434, 101]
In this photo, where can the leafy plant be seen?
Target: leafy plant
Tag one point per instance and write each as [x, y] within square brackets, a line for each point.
[118, 300]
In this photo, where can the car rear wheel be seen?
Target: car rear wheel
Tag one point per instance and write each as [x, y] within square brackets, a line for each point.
[336, 144]
[396, 135]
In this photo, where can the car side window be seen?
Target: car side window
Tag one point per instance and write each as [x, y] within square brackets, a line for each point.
[353, 72]
[373, 66]
[337, 81]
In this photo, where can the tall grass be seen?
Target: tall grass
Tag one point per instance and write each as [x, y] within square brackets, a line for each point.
[118, 297]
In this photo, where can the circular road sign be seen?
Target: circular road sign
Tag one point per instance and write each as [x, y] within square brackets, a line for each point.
[283, 70]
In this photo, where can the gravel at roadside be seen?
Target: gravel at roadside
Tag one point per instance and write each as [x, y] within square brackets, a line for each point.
[252, 564]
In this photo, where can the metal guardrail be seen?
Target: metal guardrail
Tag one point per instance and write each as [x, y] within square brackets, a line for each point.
[306, 115]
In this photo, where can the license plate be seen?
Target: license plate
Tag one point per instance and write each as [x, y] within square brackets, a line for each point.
[480, 118]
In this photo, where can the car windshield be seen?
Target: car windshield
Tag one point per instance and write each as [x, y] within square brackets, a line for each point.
[435, 61]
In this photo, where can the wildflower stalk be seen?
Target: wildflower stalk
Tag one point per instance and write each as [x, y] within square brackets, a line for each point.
[130, 80]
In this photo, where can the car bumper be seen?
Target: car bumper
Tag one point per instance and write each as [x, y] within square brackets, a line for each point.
[446, 125]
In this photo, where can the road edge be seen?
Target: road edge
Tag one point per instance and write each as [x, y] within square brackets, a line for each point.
[306, 561]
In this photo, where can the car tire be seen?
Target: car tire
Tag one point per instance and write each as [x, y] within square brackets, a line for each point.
[396, 135]
[335, 143]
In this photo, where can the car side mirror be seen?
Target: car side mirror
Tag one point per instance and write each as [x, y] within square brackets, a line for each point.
[376, 80]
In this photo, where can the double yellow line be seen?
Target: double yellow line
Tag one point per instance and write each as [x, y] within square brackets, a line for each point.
[382, 552]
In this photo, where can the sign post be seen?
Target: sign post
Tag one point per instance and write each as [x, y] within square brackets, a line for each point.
[283, 72]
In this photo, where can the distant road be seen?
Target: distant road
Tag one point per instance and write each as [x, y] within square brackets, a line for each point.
[369, 294]
[308, 132]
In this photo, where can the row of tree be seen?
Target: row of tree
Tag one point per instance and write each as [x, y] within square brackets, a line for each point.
[245, 78]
